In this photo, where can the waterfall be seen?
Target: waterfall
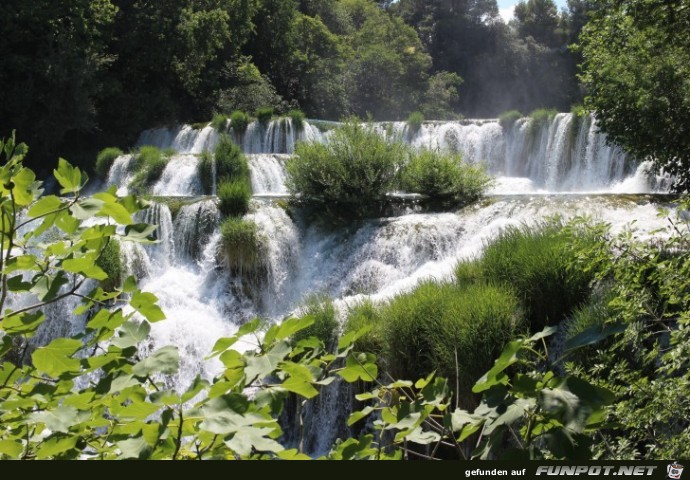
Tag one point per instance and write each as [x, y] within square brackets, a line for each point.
[268, 173]
[277, 136]
[183, 139]
[120, 174]
[179, 178]
[194, 226]
[375, 259]
[282, 255]
[564, 154]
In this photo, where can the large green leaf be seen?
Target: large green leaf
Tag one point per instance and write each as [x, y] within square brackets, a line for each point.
[131, 334]
[11, 448]
[86, 266]
[56, 445]
[136, 448]
[45, 205]
[261, 366]
[594, 335]
[250, 438]
[495, 376]
[69, 177]
[58, 420]
[300, 387]
[145, 303]
[163, 360]
[54, 359]
[359, 366]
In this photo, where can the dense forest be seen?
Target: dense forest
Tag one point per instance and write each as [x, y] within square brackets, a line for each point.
[80, 75]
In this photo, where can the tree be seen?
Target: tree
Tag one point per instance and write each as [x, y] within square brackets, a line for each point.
[54, 59]
[389, 68]
[538, 19]
[636, 69]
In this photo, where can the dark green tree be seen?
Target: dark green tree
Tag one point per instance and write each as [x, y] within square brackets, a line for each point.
[54, 61]
[636, 70]
[538, 19]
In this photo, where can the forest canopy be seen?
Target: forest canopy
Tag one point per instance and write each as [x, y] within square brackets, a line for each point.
[79, 75]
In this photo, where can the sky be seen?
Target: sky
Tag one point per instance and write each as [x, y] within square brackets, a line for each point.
[505, 7]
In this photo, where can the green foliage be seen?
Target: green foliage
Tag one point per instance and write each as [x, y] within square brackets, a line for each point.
[508, 119]
[365, 316]
[264, 114]
[105, 160]
[243, 246]
[220, 122]
[539, 118]
[321, 310]
[449, 329]
[636, 62]
[353, 172]
[239, 121]
[443, 176]
[536, 261]
[231, 164]
[469, 271]
[149, 164]
[298, 118]
[441, 96]
[110, 262]
[415, 121]
[205, 172]
[579, 111]
[644, 320]
[234, 197]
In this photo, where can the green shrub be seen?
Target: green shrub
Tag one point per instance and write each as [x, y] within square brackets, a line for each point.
[540, 117]
[593, 314]
[415, 121]
[199, 125]
[111, 263]
[298, 118]
[239, 121]
[220, 122]
[354, 170]
[508, 119]
[231, 163]
[325, 326]
[535, 262]
[105, 160]
[242, 246]
[579, 110]
[146, 155]
[205, 172]
[366, 314]
[424, 331]
[264, 114]
[234, 197]
[149, 164]
[469, 272]
[443, 176]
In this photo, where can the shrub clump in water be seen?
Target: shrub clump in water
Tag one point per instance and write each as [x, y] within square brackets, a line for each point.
[352, 173]
[242, 246]
[105, 160]
[443, 176]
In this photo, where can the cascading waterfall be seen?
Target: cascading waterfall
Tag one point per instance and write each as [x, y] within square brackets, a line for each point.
[179, 178]
[194, 226]
[377, 259]
[276, 136]
[268, 173]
